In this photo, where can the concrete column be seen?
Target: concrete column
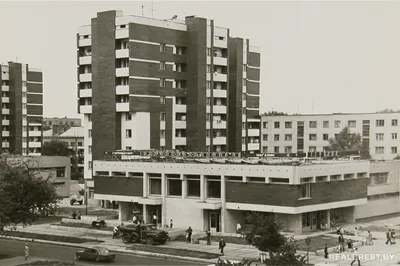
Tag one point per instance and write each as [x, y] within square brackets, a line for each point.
[145, 185]
[184, 187]
[120, 212]
[202, 188]
[163, 196]
[144, 213]
[328, 219]
[223, 201]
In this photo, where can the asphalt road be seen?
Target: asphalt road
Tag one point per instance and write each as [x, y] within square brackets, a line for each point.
[63, 253]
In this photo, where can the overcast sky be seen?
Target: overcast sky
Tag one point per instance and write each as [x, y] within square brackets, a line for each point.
[319, 57]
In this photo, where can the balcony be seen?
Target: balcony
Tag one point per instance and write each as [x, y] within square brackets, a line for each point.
[86, 93]
[35, 133]
[5, 76]
[180, 124]
[220, 77]
[243, 147]
[122, 72]
[85, 109]
[217, 124]
[35, 144]
[253, 146]
[180, 141]
[219, 109]
[220, 61]
[86, 77]
[122, 53]
[253, 132]
[85, 60]
[219, 141]
[5, 99]
[180, 108]
[219, 93]
[85, 42]
[122, 107]
[244, 133]
[221, 43]
[245, 74]
[122, 89]
[5, 144]
[5, 122]
[5, 111]
[5, 88]
[122, 33]
[5, 133]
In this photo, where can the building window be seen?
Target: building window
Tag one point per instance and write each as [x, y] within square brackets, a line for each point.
[394, 150]
[378, 178]
[89, 118]
[208, 101]
[325, 124]
[288, 149]
[128, 133]
[162, 134]
[265, 124]
[162, 82]
[162, 48]
[312, 149]
[379, 136]
[208, 51]
[162, 65]
[89, 133]
[288, 124]
[276, 125]
[80, 144]
[213, 189]
[352, 123]
[155, 186]
[128, 117]
[60, 172]
[265, 137]
[288, 137]
[325, 136]
[208, 85]
[313, 124]
[208, 69]
[265, 149]
[276, 137]
[193, 187]
[276, 149]
[394, 135]
[380, 123]
[379, 150]
[90, 166]
[162, 99]
[90, 149]
[305, 191]
[163, 116]
[313, 137]
[394, 122]
[337, 124]
[128, 148]
[174, 187]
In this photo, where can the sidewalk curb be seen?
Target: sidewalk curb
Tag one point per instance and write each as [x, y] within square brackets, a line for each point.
[133, 252]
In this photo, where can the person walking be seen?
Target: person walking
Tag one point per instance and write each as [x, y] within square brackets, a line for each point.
[356, 257]
[369, 239]
[326, 251]
[388, 238]
[79, 215]
[208, 237]
[155, 219]
[222, 245]
[189, 232]
[171, 223]
[393, 236]
[26, 251]
[341, 243]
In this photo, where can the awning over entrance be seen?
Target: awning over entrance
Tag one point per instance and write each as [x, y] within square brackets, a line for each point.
[140, 200]
[208, 205]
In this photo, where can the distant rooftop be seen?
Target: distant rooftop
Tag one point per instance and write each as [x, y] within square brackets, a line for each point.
[73, 132]
[329, 114]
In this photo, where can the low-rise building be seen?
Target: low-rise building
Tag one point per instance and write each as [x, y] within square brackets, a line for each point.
[59, 125]
[216, 196]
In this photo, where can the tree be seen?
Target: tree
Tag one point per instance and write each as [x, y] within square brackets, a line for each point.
[287, 256]
[55, 148]
[345, 141]
[273, 113]
[24, 194]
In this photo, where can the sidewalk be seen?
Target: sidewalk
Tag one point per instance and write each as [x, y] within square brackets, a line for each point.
[15, 261]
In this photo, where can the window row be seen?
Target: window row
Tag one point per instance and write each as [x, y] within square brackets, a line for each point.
[336, 123]
[381, 150]
[175, 187]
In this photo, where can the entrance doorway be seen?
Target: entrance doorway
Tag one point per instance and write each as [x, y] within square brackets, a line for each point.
[154, 210]
[214, 222]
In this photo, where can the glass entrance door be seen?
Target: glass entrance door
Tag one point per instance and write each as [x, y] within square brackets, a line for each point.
[215, 221]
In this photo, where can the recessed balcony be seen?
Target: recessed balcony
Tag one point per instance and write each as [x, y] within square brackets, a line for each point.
[122, 53]
[122, 107]
[86, 77]
[122, 89]
[85, 60]
[85, 93]
[85, 109]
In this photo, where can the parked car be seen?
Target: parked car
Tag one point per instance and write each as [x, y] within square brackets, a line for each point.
[76, 198]
[95, 254]
[145, 233]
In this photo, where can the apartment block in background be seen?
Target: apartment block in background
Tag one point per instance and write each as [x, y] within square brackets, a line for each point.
[165, 84]
[21, 109]
[58, 125]
[310, 133]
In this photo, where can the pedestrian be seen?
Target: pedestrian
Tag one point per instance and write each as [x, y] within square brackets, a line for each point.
[326, 251]
[155, 219]
[26, 251]
[134, 220]
[388, 238]
[208, 237]
[189, 232]
[115, 232]
[356, 257]
[171, 223]
[73, 215]
[222, 245]
[238, 229]
[369, 239]
[341, 243]
[393, 236]
[79, 215]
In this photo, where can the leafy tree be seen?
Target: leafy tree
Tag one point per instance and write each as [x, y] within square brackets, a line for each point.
[274, 113]
[345, 141]
[55, 148]
[287, 256]
[24, 194]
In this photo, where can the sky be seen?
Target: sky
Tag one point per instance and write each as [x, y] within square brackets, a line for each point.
[316, 57]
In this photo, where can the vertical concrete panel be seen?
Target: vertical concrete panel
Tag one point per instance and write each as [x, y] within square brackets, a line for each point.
[15, 107]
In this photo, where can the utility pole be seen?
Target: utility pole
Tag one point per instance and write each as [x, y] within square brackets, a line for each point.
[142, 11]
[152, 9]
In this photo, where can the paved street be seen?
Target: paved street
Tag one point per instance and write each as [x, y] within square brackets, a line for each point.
[16, 248]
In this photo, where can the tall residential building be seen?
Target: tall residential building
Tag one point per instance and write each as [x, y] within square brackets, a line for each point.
[21, 109]
[166, 84]
[380, 132]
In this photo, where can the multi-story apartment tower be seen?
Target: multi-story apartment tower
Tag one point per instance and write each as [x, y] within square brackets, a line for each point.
[21, 109]
[165, 84]
[380, 132]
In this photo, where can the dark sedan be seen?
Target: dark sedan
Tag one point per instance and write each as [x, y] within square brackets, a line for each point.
[95, 254]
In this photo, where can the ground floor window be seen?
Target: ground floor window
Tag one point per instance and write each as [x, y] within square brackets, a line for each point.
[193, 188]
[155, 186]
[174, 187]
[306, 219]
